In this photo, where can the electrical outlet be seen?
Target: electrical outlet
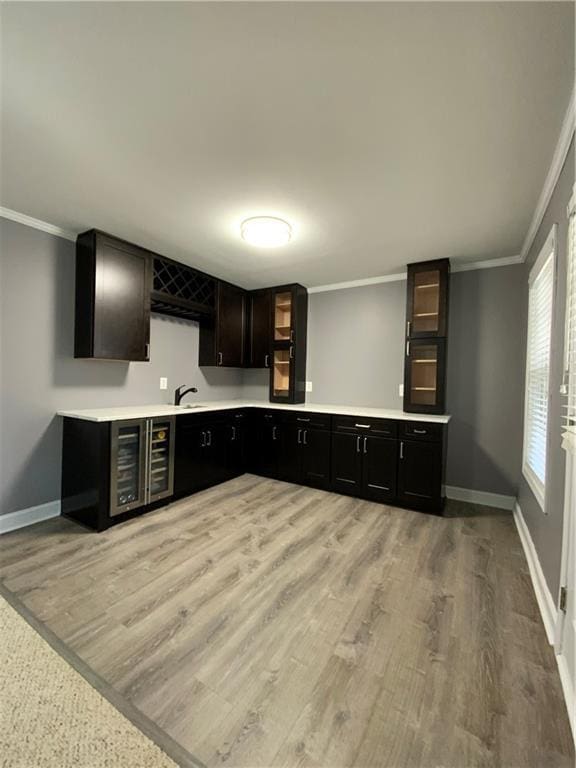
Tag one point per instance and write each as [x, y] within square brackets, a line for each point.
[163, 382]
[308, 386]
[401, 390]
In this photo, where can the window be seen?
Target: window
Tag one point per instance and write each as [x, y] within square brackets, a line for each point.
[569, 385]
[540, 308]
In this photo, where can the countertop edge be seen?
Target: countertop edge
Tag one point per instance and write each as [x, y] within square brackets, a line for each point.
[149, 411]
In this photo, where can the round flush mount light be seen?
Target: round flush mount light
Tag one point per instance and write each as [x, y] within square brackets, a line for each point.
[266, 231]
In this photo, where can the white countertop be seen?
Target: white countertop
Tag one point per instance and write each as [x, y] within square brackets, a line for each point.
[148, 411]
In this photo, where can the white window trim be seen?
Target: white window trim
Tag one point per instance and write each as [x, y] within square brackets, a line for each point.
[534, 483]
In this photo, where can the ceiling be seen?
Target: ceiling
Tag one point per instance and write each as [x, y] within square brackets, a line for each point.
[385, 132]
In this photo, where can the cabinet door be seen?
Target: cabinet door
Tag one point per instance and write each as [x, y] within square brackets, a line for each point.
[264, 439]
[113, 284]
[128, 460]
[315, 464]
[236, 446]
[161, 440]
[379, 467]
[259, 329]
[282, 375]
[192, 459]
[230, 350]
[427, 301]
[420, 474]
[346, 463]
[290, 455]
[425, 375]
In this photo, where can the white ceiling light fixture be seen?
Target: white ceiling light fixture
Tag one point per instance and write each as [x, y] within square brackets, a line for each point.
[266, 231]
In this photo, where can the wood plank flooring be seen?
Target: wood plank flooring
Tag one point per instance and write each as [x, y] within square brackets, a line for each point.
[265, 624]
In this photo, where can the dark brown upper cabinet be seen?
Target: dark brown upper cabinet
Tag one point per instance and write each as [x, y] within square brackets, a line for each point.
[113, 283]
[222, 338]
[258, 328]
[426, 329]
[427, 301]
[289, 305]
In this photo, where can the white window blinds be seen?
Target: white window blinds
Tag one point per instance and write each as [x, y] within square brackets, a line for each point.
[540, 309]
[569, 388]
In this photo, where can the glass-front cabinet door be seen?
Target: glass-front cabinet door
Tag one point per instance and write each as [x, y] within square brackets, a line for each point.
[283, 316]
[427, 306]
[424, 375]
[127, 465]
[160, 464]
[282, 373]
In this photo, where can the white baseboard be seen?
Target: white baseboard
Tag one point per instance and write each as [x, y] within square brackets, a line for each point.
[497, 500]
[23, 517]
[545, 601]
[569, 693]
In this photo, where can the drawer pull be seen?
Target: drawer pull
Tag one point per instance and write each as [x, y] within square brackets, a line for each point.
[380, 487]
[301, 419]
[420, 431]
[363, 426]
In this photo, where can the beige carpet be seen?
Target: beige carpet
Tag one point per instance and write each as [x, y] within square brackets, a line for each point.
[50, 715]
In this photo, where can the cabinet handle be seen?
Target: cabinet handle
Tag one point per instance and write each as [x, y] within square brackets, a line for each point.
[407, 349]
[299, 436]
[292, 334]
[401, 449]
[274, 433]
[358, 444]
[148, 350]
[408, 328]
[233, 432]
[365, 445]
[305, 437]
[266, 361]
[219, 358]
[209, 433]
[300, 419]
[363, 426]
[291, 352]
[203, 439]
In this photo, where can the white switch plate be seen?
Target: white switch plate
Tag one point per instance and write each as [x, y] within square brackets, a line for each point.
[163, 382]
[308, 386]
[401, 390]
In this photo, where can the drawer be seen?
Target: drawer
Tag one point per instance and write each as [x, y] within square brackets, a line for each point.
[310, 420]
[421, 430]
[361, 425]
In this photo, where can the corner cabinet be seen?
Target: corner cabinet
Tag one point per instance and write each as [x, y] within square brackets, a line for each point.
[222, 337]
[113, 284]
[289, 305]
[426, 331]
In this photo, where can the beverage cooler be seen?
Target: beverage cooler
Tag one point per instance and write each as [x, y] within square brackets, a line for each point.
[142, 462]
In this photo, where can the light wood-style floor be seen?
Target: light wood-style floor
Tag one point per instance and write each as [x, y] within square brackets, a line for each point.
[266, 624]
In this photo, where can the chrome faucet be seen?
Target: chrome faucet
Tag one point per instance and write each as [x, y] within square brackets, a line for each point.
[178, 394]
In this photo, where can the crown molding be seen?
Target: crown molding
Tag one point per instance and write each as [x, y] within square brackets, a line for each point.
[29, 221]
[466, 266]
[558, 158]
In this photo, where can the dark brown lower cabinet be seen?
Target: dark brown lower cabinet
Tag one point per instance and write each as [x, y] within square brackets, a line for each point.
[379, 468]
[346, 471]
[393, 462]
[363, 465]
[304, 452]
[420, 474]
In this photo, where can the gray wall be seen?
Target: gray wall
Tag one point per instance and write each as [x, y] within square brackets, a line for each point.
[38, 374]
[546, 530]
[486, 351]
